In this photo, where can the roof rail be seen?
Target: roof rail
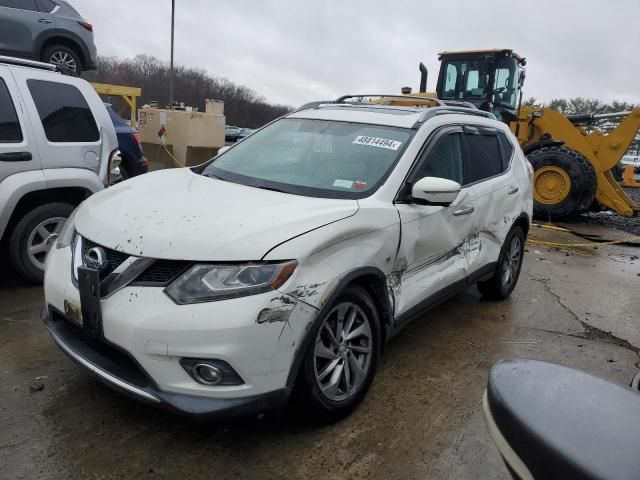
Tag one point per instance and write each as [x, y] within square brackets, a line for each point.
[23, 62]
[450, 110]
[399, 97]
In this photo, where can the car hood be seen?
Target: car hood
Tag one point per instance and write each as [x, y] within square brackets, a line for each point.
[179, 215]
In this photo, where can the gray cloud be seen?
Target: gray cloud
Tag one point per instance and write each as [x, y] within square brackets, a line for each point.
[296, 51]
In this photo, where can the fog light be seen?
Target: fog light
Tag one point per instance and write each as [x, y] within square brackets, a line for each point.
[211, 371]
[207, 374]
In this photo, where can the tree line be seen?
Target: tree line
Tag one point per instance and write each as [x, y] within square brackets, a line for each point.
[242, 106]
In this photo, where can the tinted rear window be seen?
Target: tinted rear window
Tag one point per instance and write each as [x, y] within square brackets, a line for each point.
[65, 114]
[485, 157]
[9, 126]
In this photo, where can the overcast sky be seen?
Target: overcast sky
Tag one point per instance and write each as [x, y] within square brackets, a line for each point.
[294, 51]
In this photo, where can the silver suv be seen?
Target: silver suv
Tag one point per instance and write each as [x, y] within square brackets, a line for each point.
[57, 147]
[47, 30]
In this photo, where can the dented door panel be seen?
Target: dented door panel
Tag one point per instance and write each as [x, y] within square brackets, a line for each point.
[432, 249]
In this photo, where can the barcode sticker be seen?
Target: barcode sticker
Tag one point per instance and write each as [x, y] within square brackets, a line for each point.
[377, 142]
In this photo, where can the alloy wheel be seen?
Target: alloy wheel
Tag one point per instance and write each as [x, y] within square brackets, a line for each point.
[63, 59]
[343, 351]
[42, 238]
[511, 262]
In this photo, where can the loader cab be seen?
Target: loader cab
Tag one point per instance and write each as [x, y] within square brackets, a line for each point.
[490, 79]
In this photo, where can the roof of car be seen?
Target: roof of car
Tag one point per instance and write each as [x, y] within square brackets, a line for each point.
[380, 114]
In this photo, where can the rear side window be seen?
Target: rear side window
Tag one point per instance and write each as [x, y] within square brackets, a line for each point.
[485, 157]
[65, 114]
[20, 4]
[9, 126]
[507, 149]
[47, 6]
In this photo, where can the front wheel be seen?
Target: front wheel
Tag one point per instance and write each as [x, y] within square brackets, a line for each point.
[33, 236]
[340, 363]
[504, 280]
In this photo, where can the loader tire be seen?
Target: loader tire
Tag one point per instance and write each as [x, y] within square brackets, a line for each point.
[564, 183]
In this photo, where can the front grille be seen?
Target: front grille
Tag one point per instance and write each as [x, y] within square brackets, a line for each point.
[162, 272]
[114, 257]
[158, 274]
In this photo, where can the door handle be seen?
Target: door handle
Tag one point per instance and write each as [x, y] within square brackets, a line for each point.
[463, 211]
[44, 20]
[16, 157]
[513, 189]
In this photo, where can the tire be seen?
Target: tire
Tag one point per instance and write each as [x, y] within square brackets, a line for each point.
[319, 398]
[64, 56]
[618, 172]
[499, 287]
[570, 165]
[28, 232]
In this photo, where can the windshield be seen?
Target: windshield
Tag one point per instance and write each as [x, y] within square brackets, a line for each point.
[318, 158]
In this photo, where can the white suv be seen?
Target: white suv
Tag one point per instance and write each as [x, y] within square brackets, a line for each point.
[56, 144]
[282, 266]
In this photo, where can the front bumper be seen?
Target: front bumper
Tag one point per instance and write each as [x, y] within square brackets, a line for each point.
[120, 371]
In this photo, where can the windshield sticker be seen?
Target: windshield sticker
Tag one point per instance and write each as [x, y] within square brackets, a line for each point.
[343, 183]
[377, 142]
[359, 185]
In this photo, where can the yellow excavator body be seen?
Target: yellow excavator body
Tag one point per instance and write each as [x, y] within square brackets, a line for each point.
[582, 170]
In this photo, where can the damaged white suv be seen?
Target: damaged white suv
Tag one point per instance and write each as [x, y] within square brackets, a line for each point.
[281, 267]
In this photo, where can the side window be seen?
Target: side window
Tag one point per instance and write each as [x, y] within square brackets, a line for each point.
[451, 77]
[507, 150]
[485, 157]
[20, 4]
[444, 160]
[9, 126]
[46, 6]
[65, 114]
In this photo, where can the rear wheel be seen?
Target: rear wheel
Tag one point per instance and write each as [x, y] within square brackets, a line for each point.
[564, 182]
[340, 364]
[508, 269]
[63, 56]
[33, 236]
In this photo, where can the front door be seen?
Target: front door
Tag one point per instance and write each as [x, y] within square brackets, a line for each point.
[434, 239]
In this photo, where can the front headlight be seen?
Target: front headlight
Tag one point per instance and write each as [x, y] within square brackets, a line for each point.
[65, 237]
[206, 283]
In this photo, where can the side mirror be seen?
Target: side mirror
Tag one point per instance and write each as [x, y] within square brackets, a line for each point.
[436, 191]
[223, 149]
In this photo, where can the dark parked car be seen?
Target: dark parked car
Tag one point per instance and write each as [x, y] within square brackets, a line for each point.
[133, 159]
[231, 133]
[50, 31]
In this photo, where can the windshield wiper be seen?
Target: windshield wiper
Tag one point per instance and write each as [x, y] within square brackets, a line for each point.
[211, 175]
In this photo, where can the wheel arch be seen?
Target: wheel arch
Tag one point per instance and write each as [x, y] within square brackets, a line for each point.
[36, 198]
[374, 282]
[67, 41]
[524, 222]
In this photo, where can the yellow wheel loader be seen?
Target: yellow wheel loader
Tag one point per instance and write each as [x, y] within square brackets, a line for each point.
[572, 167]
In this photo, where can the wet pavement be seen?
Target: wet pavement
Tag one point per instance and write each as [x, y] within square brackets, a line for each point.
[421, 419]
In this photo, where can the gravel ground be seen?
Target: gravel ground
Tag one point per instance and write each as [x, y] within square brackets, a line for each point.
[610, 219]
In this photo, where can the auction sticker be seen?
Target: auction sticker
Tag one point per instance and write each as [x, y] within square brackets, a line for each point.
[377, 142]
[343, 183]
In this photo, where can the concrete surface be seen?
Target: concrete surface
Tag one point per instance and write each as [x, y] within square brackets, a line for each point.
[421, 419]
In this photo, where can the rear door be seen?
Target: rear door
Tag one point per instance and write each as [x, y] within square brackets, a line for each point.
[67, 131]
[21, 23]
[18, 149]
[496, 190]
[432, 247]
